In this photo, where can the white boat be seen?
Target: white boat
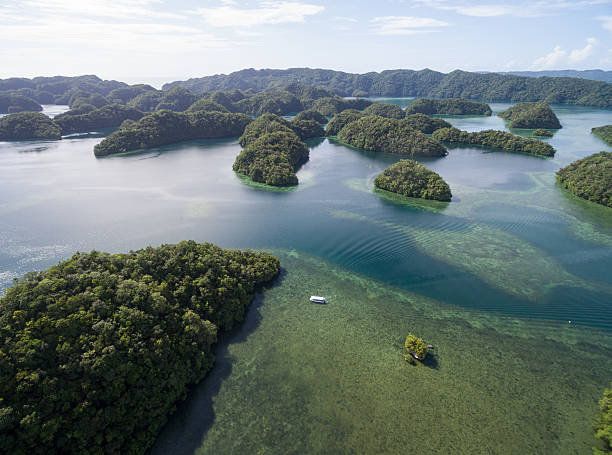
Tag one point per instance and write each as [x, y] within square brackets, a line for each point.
[317, 299]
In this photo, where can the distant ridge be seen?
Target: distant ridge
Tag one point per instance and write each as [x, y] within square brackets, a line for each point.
[423, 83]
[594, 75]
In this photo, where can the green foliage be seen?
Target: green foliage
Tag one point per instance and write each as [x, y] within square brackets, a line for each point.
[279, 102]
[97, 350]
[28, 125]
[411, 179]
[497, 139]
[589, 178]
[530, 116]
[79, 98]
[340, 120]
[425, 83]
[379, 134]
[204, 104]
[603, 424]
[11, 103]
[451, 106]
[176, 99]
[272, 158]
[307, 129]
[424, 123]
[415, 344]
[267, 123]
[311, 115]
[540, 132]
[105, 117]
[124, 94]
[604, 132]
[167, 127]
[384, 110]
[331, 105]
[147, 101]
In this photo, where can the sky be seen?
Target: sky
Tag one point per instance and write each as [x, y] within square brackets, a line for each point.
[155, 41]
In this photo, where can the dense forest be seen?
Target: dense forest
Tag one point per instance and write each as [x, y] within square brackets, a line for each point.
[603, 424]
[385, 110]
[603, 132]
[409, 83]
[273, 149]
[411, 179]
[96, 351]
[451, 106]
[167, 127]
[379, 134]
[531, 116]
[589, 178]
[424, 123]
[12, 103]
[28, 125]
[541, 132]
[340, 120]
[496, 139]
[106, 117]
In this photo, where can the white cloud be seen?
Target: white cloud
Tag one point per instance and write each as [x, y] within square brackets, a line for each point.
[524, 9]
[118, 9]
[607, 22]
[268, 12]
[559, 58]
[405, 25]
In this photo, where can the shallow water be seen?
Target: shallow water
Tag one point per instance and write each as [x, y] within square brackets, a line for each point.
[491, 279]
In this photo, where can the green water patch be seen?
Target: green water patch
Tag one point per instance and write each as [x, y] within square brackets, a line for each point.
[304, 378]
[498, 258]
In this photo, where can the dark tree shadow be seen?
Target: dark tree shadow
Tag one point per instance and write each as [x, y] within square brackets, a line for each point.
[188, 425]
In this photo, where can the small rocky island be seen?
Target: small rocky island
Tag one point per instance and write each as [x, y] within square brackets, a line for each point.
[386, 110]
[531, 116]
[108, 116]
[541, 132]
[496, 139]
[28, 125]
[412, 179]
[448, 106]
[273, 149]
[379, 134]
[424, 123]
[589, 178]
[604, 133]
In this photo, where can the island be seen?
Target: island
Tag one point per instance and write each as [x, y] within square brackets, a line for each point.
[414, 348]
[412, 179]
[379, 134]
[273, 149]
[531, 116]
[13, 103]
[167, 127]
[603, 423]
[496, 139]
[108, 116]
[340, 120]
[311, 115]
[28, 125]
[541, 132]
[333, 104]
[206, 104]
[604, 133]
[424, 123]
[589, 178]
[98, 350]
[449, 106]
[385, 110]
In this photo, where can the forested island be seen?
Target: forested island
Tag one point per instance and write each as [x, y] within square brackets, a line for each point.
[97, 350]
[450, 106]
[379, 134]
[603, 423]
[412, 179]
[424, 123]
[409, 83]
[340, 120]
[12, 103]
[589, 178]
[385, 110]
[531, 116]
[273, 149]
[106, 117]
[604, 133]
[541, 132]
[497, 139]
[28, 125]
[168, 127]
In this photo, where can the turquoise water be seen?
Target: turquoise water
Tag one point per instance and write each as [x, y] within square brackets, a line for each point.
[491, 278]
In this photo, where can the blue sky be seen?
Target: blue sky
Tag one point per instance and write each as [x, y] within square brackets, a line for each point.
[158, 40]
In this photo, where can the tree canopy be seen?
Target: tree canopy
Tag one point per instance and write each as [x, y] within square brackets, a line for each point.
[95, 352]
[589, 178]
[541, 132]
[106, 117]
[603, 423]
[311, 115]
[450, 106]
[384, 110]
[424, 123]
[28, 125]
[603, 132]
[379, 134]
[340, 120]
[416, 345]
[411, 179]
[13, 103]
[496, 139]
[531, 116]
